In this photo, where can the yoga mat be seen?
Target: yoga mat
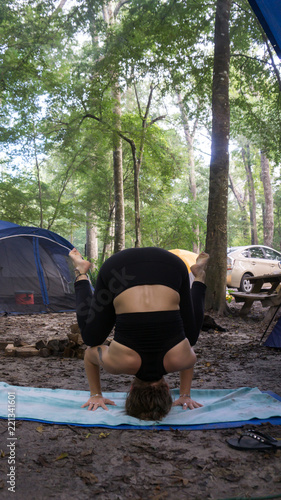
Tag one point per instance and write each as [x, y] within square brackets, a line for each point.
[222, 408]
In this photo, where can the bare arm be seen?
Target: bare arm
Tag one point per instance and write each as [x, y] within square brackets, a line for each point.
[185, 386]
[93, 370]
[92, 361]
[186, 377]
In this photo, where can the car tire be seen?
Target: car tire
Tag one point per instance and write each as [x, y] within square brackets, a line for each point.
[245, 285]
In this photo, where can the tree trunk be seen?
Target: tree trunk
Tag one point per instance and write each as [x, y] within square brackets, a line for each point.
[216, 241]
[246, 155]
[241, 200]
[38, 177]
[119, 241]
[137, 165]
[109, 235]
[91, 240]
[189, 137]
[109, 16]
[138, 157]
[268, 219]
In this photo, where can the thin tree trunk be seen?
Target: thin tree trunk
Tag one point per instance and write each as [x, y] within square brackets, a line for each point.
[109, 235]
[119, 242]
[61, 5]
[138, 158]
[71, 169]
[39, 185]
[91, 240]
[109, 16]
[268, 219]
[241, 200]
[246, 155]
[38, 177]
[216, 241]
[138, 163]
[189, 137]
[137, 166]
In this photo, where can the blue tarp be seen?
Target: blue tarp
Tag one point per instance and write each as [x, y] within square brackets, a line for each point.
[268, 13]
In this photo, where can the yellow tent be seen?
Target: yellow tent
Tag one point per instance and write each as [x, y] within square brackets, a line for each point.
[189, 258]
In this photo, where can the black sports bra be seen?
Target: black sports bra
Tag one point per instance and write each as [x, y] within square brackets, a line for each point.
[151, 335]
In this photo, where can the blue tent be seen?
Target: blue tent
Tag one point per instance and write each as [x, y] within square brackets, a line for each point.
[274, 339]
[268, 13]
[36, 274]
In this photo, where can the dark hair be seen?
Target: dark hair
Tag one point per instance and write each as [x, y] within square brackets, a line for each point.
[148, 400]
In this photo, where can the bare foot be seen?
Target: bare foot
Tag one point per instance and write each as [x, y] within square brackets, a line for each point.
[79, 263]
[199, 269]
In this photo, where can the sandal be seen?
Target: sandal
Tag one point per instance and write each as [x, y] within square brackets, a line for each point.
[254, 440]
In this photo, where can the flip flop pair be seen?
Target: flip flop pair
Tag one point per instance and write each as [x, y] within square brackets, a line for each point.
[252, 439]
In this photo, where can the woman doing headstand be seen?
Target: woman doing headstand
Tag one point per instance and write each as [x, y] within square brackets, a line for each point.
[145, 293]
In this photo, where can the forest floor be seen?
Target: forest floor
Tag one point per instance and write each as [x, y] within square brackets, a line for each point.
[67, 462]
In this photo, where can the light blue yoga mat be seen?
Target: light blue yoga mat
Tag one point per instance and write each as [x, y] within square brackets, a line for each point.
[222, 407]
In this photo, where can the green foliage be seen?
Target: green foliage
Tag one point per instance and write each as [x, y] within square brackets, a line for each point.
[255, 88]
[18, 199]
[56, 115]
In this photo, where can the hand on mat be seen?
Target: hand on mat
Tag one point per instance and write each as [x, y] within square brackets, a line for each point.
[95, 402]
[186, 402]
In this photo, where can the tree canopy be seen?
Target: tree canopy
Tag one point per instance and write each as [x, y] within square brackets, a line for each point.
[69, 68]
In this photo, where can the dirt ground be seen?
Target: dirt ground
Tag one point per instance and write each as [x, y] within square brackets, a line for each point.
[66, 462]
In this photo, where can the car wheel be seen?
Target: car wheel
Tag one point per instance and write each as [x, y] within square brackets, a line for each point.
[245, 285]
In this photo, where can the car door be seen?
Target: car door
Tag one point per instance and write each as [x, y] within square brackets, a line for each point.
[259, 265]
[274, 260]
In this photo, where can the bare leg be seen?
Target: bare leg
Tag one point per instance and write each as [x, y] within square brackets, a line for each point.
[199, 269]
[81, 265]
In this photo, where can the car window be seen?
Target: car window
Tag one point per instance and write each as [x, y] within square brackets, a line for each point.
[271, 254]
[246, 253]
[256, 253]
